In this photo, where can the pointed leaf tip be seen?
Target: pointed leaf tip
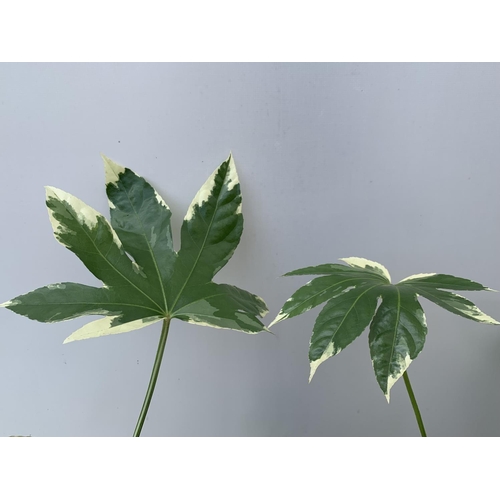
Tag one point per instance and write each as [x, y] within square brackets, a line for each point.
[443, 281]
[53, 191]
[104, 326]
[60, 202]
[327, 353]
[279, 317]
[233, 174]
[456, 304]
[394, 377]
[112, 170]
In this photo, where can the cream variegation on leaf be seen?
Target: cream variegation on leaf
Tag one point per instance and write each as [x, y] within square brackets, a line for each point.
[397, 326]
[144, 279]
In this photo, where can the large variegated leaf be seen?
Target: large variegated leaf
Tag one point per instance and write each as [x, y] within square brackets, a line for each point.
[144, 279]
[397, 326]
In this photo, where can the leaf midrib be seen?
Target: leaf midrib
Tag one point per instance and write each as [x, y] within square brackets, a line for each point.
[202, 248]
[104, 257]
[120, 273]
[444, 302]
[232, 319]
[93, 303]
[345, 315]
[324, 290]
[395, 334]
[150, 250]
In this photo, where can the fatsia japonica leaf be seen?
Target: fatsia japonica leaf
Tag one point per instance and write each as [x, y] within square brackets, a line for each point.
[360, 295]
[144, 279]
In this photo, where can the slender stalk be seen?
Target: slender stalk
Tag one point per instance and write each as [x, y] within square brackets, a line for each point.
[154, 376]
[414, 404]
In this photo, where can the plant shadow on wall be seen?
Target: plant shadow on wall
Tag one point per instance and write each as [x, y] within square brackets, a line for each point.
[144, 280]
[397, 326]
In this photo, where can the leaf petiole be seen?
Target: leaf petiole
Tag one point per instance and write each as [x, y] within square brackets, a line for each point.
[154, 376]
[414, 404]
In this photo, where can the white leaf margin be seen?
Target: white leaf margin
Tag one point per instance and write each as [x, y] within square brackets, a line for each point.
[102, 327]
[205, 191]
[367, 264]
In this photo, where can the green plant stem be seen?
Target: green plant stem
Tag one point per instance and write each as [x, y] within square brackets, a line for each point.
[414, 404]
[154, 376]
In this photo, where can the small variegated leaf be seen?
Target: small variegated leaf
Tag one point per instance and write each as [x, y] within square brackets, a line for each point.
[63, 301]
[398, 327]
[144, 279]
[317, 291]
[455, 303]
[341, 321]
[397, 335]
[445, 281]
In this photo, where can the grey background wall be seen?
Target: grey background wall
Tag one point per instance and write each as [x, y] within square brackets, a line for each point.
[397, 163]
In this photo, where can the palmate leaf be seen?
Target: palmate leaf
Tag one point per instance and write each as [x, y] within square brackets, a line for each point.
[144, 279]
[397, 326]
